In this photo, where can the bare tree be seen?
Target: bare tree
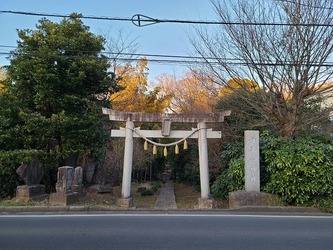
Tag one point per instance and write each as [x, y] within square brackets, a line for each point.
[192, 93]
[284, 46]
[121, 50]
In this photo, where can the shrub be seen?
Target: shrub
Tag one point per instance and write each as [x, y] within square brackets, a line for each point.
[299, 170]
[151, 191]
[325, 204]
[232, 179]
[147, 192]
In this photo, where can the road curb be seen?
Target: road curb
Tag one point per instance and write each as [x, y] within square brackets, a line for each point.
[99, 209]
[287, 209]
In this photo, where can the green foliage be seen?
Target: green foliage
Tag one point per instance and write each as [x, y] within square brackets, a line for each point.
[299, 170]
[185, 165]
[233, 151]
[231, 179]
[58, 68]
[61, 82]
[9, 203]
[57, 82]
[325, 204]
[232, 172]
[151, 191]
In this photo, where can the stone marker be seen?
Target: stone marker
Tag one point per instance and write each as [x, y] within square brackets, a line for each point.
[65, 180]
[78, 176]
[65, 194]
[31, 173]
[251, 196]
[89, 171]
[252, 164]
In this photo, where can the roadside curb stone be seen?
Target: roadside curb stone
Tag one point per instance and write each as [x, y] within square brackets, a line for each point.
[100, 209]
[287, 209]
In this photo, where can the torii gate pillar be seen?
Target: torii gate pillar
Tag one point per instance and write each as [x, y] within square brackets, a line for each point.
[128, 159]
[126, 200]
[203, 160]
[204, 200]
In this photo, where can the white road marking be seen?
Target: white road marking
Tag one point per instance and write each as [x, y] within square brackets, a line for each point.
[166, 215]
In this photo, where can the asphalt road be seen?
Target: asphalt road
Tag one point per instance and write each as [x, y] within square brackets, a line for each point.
[174, 231]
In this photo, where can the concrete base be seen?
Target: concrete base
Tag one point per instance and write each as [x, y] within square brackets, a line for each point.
[242, 198]
[124, 202]
[30, 193]
[205, 203]
[64, 199]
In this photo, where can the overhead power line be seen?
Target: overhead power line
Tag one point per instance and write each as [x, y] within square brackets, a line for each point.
[126, 54]
[63, 16]
[142, 20]
[137, 56]
[183, 60]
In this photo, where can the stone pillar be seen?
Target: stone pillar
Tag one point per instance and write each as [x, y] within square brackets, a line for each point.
[203, 160]
[65, 177]
[65, 194]
[252, 163]
[126, 200]
[204, 200]
[77, 183]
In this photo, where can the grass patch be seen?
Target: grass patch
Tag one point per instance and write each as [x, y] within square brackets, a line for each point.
[110, 199]
[11, 203]
[92, 198]
[145, 201]
[186, 196]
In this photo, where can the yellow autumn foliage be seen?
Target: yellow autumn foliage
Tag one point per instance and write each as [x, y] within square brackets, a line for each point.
[2, 78]
[136, 95]
[238, 83]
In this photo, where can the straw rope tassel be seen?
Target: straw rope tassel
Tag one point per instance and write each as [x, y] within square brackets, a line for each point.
[165, 152]
[176, 149]
[145, 145]
[154, 150]
[185, 144]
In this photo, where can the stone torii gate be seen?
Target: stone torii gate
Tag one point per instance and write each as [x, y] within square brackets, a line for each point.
[201, 133]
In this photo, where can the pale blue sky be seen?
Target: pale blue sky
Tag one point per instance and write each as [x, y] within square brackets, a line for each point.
[164, 38]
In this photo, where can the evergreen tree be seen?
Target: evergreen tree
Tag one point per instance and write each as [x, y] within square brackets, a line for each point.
[57, 82]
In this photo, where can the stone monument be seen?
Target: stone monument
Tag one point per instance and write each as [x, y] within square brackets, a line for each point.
[252, 162]
[65, 178]
[78, 177]
[31, 173]
[251, 196]
[65, 194]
